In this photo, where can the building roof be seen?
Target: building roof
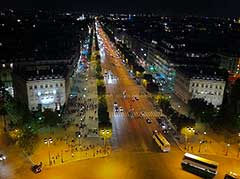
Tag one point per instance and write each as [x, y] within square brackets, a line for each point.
[203, 73]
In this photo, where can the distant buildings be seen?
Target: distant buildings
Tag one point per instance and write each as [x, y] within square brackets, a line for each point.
[231, 63]
[161, 45]
[39, 52]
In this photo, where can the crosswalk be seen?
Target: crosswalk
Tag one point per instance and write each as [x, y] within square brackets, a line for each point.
[147, 114]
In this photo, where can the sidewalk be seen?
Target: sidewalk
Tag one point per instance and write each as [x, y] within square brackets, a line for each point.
[65, 151]
[210, 144]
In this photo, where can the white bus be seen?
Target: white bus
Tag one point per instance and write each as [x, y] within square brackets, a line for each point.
[200, 166]
[161, 141]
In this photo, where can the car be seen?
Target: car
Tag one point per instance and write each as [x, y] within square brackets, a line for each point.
[120, 109]
[2, 157]
[149, 121]
[136, 98]
[116, 109]
[37, 168]
[163, 126]
[231, 175]
[115, 104]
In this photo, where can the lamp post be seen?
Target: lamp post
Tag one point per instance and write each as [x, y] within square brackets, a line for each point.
[62, 156]
[204, 134]
[187, 132]
[105, 133]
[238, 144]
[228, 145]
[48, 141]
[79, 138]
[200, 143]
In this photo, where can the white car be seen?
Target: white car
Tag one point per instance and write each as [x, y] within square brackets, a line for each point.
[121, 109]
[2, 157]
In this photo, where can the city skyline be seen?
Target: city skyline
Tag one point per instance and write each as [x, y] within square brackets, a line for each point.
[170, 7]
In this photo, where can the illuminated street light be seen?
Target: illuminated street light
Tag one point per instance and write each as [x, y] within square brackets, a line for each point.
[204, 134]
[228, 145]
[200, 143]
[48, 142]
[79, 137]
[238, 144]
[105, 133]
[188, 132]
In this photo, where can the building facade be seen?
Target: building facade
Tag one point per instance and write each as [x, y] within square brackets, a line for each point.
[46, 92]
[209, 88]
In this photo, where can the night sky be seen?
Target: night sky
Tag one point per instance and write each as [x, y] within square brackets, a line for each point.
[174, 7]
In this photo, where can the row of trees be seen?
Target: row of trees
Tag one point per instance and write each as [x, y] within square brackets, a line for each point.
[177, 119]
[103, 114]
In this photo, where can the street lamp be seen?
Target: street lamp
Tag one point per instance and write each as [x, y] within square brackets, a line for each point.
[105, 133]
[228, 145]
[48, 141]
[200, 143]
[204, 134]
[238, 144]
[79, 137]
[187, 132]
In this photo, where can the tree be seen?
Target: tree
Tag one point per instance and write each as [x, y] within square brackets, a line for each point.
[163, 101]
[201, 110]
[28, 141]
[51, 118]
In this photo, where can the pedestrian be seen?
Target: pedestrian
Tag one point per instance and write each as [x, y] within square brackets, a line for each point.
[192, 148]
